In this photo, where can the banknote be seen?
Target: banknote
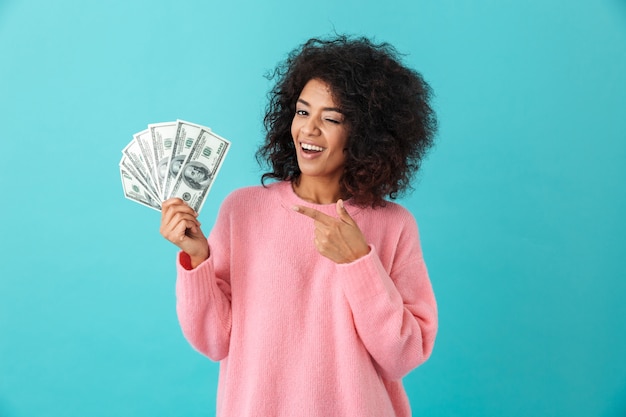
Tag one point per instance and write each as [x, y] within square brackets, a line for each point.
[135, 190]
[144, 140]
[172, 159]
[163, 135]
[186, 134]
[131, 170]
[200, 168]
[136, 157]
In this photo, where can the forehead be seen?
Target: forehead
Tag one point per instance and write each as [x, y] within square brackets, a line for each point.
[319, 91]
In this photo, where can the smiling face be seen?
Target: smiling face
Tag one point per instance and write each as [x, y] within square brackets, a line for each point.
[320, 133]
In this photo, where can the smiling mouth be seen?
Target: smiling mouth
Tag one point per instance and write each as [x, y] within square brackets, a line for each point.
[309, 148]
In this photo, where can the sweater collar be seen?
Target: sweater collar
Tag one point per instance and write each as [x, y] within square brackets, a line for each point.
[289, 199]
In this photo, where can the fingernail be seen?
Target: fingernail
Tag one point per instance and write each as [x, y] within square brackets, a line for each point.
[295, 208]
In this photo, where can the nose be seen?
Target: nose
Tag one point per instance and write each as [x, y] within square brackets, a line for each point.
[310, 126]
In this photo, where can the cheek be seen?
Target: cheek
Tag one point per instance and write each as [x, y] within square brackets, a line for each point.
[341, 141]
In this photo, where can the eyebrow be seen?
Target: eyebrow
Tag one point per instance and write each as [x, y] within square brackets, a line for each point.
[335, 109]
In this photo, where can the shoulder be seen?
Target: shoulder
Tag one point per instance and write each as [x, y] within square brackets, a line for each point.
[391, 213]
[250, 197]
[245, 192]
[392, 222]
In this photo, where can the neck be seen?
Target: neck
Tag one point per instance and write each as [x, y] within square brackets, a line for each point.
[317, 191]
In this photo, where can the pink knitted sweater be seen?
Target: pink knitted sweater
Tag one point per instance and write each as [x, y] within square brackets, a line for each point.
[296, 334]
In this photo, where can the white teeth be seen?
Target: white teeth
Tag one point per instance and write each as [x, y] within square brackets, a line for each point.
[309, 147]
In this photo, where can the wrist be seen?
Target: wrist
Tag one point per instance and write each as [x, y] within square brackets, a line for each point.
[360, 254]
[197, 259]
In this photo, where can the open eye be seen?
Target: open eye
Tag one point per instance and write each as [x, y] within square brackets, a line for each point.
[300, 112]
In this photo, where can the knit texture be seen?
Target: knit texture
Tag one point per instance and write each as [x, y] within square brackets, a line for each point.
[295, 333]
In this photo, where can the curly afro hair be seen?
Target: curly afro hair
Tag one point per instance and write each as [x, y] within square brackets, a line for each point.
[386, 105]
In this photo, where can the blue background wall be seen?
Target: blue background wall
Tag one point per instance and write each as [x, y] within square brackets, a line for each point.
[521, 204]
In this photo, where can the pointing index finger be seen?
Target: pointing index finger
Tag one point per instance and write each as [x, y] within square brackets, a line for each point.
[312, 213]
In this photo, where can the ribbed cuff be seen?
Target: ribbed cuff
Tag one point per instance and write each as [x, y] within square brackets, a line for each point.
[365, 278]
[192, 284]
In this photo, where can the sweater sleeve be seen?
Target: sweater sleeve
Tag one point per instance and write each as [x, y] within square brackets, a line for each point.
[395, 312]
[203, 294]
[203, 308]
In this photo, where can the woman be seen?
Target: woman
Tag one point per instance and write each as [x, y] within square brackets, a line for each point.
[311, 290]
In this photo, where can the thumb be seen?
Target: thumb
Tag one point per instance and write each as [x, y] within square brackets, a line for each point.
[343, 213]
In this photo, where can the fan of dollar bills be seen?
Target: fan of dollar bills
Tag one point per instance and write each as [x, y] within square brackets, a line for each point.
[172, 159]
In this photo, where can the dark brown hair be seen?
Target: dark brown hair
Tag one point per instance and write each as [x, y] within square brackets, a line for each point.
[386, 105]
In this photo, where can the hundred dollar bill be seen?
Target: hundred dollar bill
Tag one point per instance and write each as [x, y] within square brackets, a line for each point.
[163, 135]
[135, 190]
[200, 169]
[130, 169]
[135, 156]
[186, 134]
[144, 139]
